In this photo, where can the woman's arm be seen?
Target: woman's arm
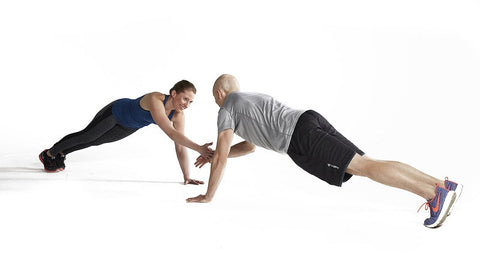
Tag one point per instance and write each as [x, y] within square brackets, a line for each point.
[182, 155]
[157, 110]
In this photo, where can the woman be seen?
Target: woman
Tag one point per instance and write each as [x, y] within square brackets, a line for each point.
[123, 117]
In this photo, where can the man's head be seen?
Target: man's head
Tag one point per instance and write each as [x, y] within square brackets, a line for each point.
[224, 85]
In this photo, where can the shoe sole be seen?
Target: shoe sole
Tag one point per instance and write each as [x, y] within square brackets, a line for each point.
[458, 192]
[449, 200]
[45, 169]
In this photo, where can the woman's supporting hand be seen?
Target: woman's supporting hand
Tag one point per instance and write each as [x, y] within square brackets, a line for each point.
[192, 182]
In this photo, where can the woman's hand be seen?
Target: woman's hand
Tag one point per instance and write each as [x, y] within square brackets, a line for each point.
[192, 182]
[205, 151]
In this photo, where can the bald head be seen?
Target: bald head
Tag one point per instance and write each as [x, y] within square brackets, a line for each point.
[226, 83]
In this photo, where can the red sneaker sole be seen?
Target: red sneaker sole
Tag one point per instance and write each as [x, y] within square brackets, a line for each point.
[45, 169]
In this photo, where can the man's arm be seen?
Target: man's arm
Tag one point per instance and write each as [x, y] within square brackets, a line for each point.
[241, 149]
[238, 150]
[219, 162]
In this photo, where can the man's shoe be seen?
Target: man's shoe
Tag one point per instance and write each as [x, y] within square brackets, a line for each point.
[439, 207]
[458, 188]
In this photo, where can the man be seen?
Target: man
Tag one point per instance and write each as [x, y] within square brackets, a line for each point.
[313, 144]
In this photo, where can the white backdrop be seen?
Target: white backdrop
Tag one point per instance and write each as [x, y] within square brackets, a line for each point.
[399, 78]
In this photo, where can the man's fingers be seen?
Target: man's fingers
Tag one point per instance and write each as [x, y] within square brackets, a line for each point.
[199, 198]
[190, 200]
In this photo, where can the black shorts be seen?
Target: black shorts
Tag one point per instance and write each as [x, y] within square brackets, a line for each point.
[318, 148]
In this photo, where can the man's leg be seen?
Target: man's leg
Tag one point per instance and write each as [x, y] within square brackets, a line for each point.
[395, 174]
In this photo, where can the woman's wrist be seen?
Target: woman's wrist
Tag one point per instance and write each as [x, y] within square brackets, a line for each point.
[198, 148]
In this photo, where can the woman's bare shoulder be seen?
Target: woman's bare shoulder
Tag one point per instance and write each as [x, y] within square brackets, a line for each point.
[151, 98]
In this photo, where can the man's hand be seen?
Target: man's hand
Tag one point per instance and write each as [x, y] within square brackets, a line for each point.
[198, 199]
[192, 182]
[201, 161]
[219, 162]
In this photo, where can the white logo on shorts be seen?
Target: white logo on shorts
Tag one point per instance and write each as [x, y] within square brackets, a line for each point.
[333, 166]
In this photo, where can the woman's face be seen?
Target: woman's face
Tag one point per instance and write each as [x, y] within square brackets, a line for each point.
[181, 101]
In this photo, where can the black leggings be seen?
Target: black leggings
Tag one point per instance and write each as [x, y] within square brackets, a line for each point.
[104, 128]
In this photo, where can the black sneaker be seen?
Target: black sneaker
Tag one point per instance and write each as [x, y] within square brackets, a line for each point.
[49, 164]
[60, 160]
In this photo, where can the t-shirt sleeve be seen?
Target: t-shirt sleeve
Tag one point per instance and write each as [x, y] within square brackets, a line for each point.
[224, 120]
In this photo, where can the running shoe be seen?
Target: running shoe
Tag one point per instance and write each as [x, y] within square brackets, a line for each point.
[458, 188]
[439, 207]
[49, 163]
[60, 160]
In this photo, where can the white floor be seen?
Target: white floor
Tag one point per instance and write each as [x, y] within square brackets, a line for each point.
[111, 212]
[400, 80]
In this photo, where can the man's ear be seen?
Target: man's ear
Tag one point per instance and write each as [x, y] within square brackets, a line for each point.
[174, 93]
[220, 93]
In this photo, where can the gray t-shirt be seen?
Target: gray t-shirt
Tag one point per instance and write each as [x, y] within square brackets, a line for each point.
[259, 119]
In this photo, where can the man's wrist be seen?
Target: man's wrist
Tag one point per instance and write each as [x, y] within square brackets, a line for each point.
[208, 197]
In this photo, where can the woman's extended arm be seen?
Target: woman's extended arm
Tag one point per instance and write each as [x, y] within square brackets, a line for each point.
[157, 110]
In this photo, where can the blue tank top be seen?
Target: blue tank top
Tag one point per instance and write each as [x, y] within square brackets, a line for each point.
[129, 113]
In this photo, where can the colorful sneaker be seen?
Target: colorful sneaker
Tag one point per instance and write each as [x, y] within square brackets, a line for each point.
[49, 163]
[458, 188]
[439, 207]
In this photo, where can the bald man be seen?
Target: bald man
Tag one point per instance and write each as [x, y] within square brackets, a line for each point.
[313, 144]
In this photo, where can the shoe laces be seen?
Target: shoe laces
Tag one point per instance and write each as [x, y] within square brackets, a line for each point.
[427, 203]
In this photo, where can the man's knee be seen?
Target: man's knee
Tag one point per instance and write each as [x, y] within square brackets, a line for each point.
[360, 165]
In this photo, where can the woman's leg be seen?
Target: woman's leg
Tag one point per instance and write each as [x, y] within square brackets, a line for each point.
[101, 124]
[104, 128]
[117, 132]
